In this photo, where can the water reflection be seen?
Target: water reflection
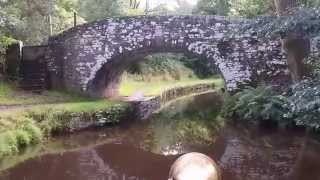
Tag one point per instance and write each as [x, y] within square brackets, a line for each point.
[109, 161]
[186, 125]
[147, 150]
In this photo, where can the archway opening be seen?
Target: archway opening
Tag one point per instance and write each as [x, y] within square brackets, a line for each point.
[144, 75]
[148, 75]
[161, 71]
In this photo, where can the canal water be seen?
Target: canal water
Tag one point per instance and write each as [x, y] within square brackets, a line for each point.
[146, 150]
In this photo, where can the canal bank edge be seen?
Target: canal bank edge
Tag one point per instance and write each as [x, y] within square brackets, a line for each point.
[33, 125]
[143, 109]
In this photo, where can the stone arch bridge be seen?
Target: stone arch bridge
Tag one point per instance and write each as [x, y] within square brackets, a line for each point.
[90, 58]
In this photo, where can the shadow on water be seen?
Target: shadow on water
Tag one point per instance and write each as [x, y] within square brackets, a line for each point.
[147, 150]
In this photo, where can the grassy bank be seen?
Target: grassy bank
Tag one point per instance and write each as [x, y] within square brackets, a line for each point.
[130, 87]
[37, 116]
[10, 94]
[21, 127]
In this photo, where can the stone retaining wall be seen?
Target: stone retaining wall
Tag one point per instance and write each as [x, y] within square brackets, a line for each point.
[68, 121]
[144, 109]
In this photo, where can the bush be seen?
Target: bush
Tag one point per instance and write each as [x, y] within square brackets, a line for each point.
[4, 43]
[24, 134]
[23, 138]
[8, 143]
[305, 104]
[300, 108]
[260, 104]
[313, 65]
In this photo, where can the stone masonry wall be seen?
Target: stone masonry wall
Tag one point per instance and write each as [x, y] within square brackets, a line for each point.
[143, 109]
[86, 58]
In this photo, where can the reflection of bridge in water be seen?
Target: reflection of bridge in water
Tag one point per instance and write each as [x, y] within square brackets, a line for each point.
[238, 155]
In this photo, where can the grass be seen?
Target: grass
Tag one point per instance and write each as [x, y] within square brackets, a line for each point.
[11, 95]
[12, 118]
[81, 106]
[20, 127]
[129, 87]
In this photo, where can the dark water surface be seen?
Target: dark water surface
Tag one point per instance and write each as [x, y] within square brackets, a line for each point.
[146, 150]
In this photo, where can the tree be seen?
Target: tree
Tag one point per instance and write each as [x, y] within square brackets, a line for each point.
[251, 8]
[92, 10]
[283, 6]
[135, 4]
[296, 44]
[213, 7]
[134, 8]
[63, 13]
[30, 18]
[184, 7]
[161, 9]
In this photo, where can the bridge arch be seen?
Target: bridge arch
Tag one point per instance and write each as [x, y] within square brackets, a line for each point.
[108, 78]
[88, 58]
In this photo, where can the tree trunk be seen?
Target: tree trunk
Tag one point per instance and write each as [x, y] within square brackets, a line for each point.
[297, 48]
[296, 45]
[283, 6]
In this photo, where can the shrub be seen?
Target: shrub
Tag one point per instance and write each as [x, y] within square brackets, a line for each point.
[13, 138]
[260, 104]
[23, 138]
[33, 131]
[4, 43]
[300, 108]
[8, 143]
[305, 104]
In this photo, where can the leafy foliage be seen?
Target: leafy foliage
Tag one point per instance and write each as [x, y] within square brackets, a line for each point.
[213, 7]
[4, 43]
[28, 20]
[164, 66]
[312, 63]
[246, 8]
[301, 20]
[243, 8]
[25, 133]
[257, 104]
[309, 3]
[176, 66]
[305, 104]
[300, 108]
[251, 8]
[92, 10]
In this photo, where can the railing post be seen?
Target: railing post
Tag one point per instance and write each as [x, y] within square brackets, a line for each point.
[74, 19]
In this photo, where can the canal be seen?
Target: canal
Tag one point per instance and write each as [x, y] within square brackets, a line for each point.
[146, 150]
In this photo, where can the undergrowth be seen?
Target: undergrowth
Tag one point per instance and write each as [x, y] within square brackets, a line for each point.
[301, 107]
